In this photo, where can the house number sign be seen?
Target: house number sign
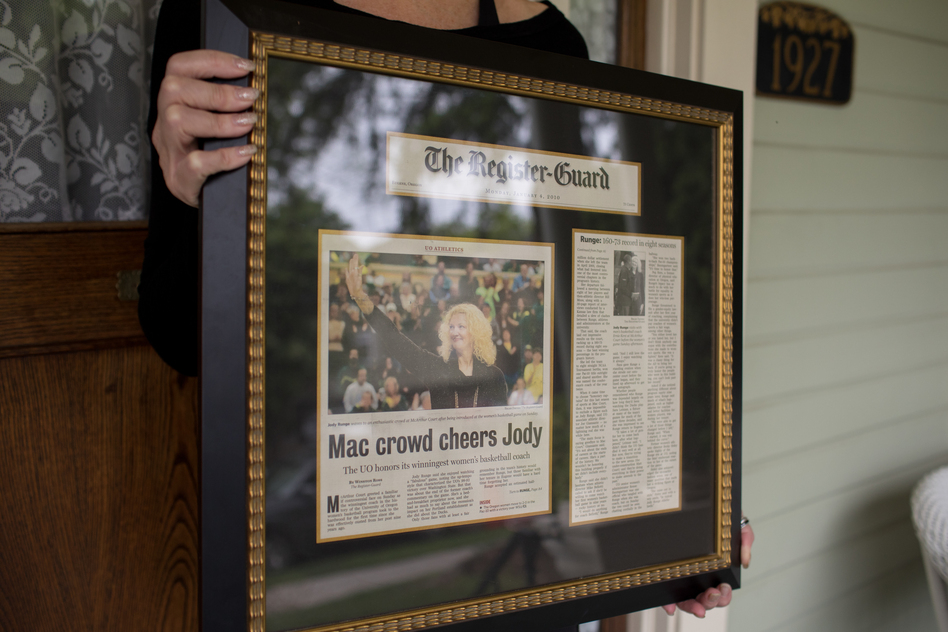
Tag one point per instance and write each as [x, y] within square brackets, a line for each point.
[804, 52]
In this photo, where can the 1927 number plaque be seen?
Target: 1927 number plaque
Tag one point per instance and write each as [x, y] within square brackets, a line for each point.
[804, 52]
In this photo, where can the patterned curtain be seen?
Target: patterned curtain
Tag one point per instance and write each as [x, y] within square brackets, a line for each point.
[73, 107]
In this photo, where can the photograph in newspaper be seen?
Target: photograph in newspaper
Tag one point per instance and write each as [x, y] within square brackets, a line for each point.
[629, 296]
[439, 413]
[627, 385]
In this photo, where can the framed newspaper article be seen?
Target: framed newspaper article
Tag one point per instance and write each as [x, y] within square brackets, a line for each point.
[468, 352]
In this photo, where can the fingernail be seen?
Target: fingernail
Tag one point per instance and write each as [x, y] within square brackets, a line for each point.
[247, 150]
[248, 94]
[725, 589]
[714, 597]
[244, 64]
[245, 118]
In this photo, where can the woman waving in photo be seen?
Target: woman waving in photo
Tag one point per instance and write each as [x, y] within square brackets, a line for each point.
[463, 375]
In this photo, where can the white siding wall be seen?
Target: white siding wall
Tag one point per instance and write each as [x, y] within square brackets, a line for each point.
[846, 361]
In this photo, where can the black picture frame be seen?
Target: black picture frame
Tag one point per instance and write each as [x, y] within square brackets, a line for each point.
[232, 522]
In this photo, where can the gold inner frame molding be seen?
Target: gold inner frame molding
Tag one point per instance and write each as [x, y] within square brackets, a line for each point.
[263, 46]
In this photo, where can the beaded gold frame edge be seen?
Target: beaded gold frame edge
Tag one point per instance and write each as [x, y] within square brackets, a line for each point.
[264, 45]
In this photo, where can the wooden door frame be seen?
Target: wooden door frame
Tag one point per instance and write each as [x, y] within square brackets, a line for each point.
[630, 33]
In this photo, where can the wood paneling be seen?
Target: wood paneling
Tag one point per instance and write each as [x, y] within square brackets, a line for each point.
[614, 624]
[863, 300]
[834, 519]
[922, 18]
[894, 601]
[794, 367]
[846, 363]
[825, 415]
[822, 580]
[790, 179]
[795, 479]
[59, 285]
[899, 65]
[822, 244]
[871, 122]
[98, 444]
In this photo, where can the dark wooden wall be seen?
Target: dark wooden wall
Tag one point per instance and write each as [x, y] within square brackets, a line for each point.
[98, 443]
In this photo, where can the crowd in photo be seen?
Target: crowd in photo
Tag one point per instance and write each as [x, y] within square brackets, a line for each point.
[415, 293]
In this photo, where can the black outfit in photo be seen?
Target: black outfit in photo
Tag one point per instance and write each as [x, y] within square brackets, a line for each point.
[448, 386]
[628, 292]
[637, 303]
[168, 305]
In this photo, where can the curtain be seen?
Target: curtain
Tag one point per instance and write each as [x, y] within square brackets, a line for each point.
[73, 108]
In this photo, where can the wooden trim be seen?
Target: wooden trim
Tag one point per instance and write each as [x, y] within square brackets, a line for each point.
[614, 624]
[73, 347]
[60, 285]
[630, 33]
[72, 227]
[99, 523]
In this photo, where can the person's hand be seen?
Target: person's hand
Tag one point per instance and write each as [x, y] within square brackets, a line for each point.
[354, 277]
[747, 541]
[721, 595]
[190, 108]
[711, 598]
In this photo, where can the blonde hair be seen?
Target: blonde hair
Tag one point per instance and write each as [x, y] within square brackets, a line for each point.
[484, 348]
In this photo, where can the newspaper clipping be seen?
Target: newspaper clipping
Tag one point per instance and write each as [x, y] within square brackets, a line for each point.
[626, 390]
[433, 385]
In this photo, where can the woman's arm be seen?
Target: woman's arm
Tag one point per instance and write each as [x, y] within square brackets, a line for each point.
[496, 387]
[426, 366]
[168, 303]
[354, 285]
